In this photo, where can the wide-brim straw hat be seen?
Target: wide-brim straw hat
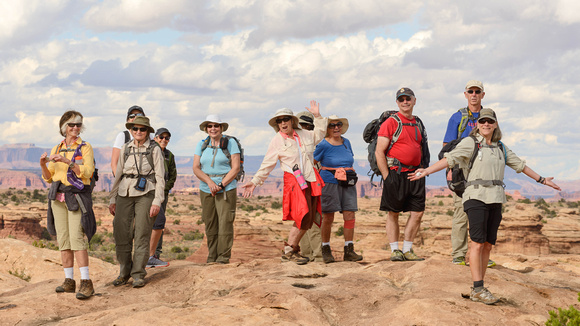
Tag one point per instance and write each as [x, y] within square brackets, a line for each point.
[213, 118]
[281, 113]
[139, 120]
[344, 123]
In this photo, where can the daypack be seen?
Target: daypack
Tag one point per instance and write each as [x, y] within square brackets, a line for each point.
[370, 135]
[458, 182]
[466, 116]
[148, 155]
[127, 136]
[224, 141]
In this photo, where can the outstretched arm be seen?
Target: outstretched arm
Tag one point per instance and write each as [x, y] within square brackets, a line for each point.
[421, 173]
[545, 181]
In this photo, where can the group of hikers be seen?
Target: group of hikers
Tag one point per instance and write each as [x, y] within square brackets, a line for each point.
[319, 180]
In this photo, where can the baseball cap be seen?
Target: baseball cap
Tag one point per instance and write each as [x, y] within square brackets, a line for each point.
[162, 130]
[474, 83]
[133, 108]
[405, 91]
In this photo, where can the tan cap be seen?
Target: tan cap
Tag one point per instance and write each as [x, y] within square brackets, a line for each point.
[474, 83]
[487, 113]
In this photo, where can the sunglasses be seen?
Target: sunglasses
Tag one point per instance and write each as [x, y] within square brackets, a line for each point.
[164, 137]
[333, 125]
[72, 125]
[404, 98]
[132, 116]
[486, 120]
[213, 126]
[142, 129]
[285, 119]
[471, 91]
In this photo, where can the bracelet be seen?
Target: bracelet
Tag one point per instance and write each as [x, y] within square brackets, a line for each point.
[541, 180]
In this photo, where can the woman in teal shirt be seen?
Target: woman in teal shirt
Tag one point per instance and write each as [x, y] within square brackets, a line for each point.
[217, 190]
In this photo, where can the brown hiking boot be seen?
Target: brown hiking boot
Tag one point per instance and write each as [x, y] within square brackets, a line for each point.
[295, 257]
[69, 285]
[327, 255]
[86, 290]
[350, 255]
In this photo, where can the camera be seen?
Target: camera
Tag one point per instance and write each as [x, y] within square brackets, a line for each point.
[141, 183]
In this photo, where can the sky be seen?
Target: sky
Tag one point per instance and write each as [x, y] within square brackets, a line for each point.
[243, 59]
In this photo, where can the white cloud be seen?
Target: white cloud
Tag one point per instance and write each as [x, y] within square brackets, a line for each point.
[568, 11]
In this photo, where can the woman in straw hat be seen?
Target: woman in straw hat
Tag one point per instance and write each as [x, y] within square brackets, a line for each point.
[294, 148]
[339, 193]
[70, 167]
[135, 200]
[218, 187]
[484, 193]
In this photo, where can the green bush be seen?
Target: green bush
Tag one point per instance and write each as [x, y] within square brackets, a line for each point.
[21, 275]
[440, 203]
[193, 235]
[276, 205]
[449, 212]
[340, 231]
[199, 222]
[570, 317]
[176, 249]
[525, 201]
[176, 221]
[181, 256]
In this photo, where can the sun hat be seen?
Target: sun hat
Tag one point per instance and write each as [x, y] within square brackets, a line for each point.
[281, 113]
[305, 117]
[487, 113]
[144, 121]
[213, 118]
[474, 83]
[344, 123]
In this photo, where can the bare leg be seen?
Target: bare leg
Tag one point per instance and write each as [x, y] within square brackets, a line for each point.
[295, 235]
[82, 257]
[413, 224]
[68, 258]
[348, 233]
[155, 235]
[477, 262]
[392, 227]
[326, 227]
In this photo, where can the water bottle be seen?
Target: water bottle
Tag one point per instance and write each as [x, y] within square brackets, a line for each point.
[299, 177]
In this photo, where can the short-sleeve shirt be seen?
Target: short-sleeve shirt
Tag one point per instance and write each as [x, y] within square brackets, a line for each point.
[453, 125]
[221, 164]
[331, 156]
[407, 149]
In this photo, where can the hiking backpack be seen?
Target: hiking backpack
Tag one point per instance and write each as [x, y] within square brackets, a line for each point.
[148, 154]
[466, 116]
[458, 182]
[224, 141]
[370, 135]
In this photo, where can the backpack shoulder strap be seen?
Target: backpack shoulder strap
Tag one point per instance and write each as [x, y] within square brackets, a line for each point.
[205, 144]
[466, 116]
[127, 136]
[224, 146]
[502, 146]
[399, 129]
[475, 150]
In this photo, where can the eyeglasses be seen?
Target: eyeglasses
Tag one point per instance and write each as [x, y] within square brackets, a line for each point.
[486, 120]
[134, 115]
[285, 119]
[404, 98]
[477, 91]
[213, 126]
[78, 125]
[142, 129]
[333, 125]
[164, 137]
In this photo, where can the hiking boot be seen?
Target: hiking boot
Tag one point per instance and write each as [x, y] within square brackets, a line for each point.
[397, 255]
[156, 262]
[138, 283]
[350, 255]
[410, 255]
[490, 263]
[69, 285]
[120, 280]
[483, 296]
[295, 257]
[327, 254]
[86, 290]
[459, 261]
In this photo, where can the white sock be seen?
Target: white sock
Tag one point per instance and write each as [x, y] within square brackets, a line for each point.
[394, 246]
[407, 245]
[326, 244]
[287, 249]
[347, 242]
[84, 273]
[69, 272]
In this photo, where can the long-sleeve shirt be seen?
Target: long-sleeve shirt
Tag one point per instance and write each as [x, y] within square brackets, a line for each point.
[86, 163]
[125, 186]
[488, 165]
[286, 150]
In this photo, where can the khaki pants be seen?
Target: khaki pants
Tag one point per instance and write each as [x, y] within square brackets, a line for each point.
[311, 242]
[69, 231]
[459, 240]
[218, 214]
[132, 227]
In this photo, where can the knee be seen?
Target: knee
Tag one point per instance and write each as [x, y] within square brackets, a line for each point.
[487, 246]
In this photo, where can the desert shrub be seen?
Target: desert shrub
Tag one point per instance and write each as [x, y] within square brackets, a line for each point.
[568, 317]
[340, 231]
[191, 207]
[109, 259]
[20, 274]
[45, 234]
[176, 249]
[573, 204]
[170, 211]
[276, 205]
[449, 212]
[508, 197]
[440, 203]
[181, 256]
[525, 201]
[193, 235]
[96, 241]
[176, 221]
[199, 222]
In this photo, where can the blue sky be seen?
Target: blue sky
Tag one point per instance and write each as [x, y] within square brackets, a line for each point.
[244, 59]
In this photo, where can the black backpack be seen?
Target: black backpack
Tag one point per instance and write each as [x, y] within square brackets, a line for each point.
[458, 181]
[224, 141]
[370, 136]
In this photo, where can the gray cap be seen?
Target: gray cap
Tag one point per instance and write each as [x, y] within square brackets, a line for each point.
[162, 130]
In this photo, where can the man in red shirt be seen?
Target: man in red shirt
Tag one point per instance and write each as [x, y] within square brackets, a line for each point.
[395, 163]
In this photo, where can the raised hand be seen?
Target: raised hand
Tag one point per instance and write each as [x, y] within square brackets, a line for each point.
[314, 108]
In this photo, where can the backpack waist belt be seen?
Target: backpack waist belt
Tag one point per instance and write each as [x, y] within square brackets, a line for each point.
[150, 177]
[391, 161]
[217, 175]
[484, 183]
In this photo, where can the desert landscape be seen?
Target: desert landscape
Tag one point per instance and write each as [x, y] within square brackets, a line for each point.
[537, 270]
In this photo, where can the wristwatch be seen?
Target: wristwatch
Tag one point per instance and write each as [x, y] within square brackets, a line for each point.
[71, 165]
[221, 185]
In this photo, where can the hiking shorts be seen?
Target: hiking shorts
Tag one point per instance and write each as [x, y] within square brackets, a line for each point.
[337, 198]
[484, 220]
[402, 195]
[159, 223]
